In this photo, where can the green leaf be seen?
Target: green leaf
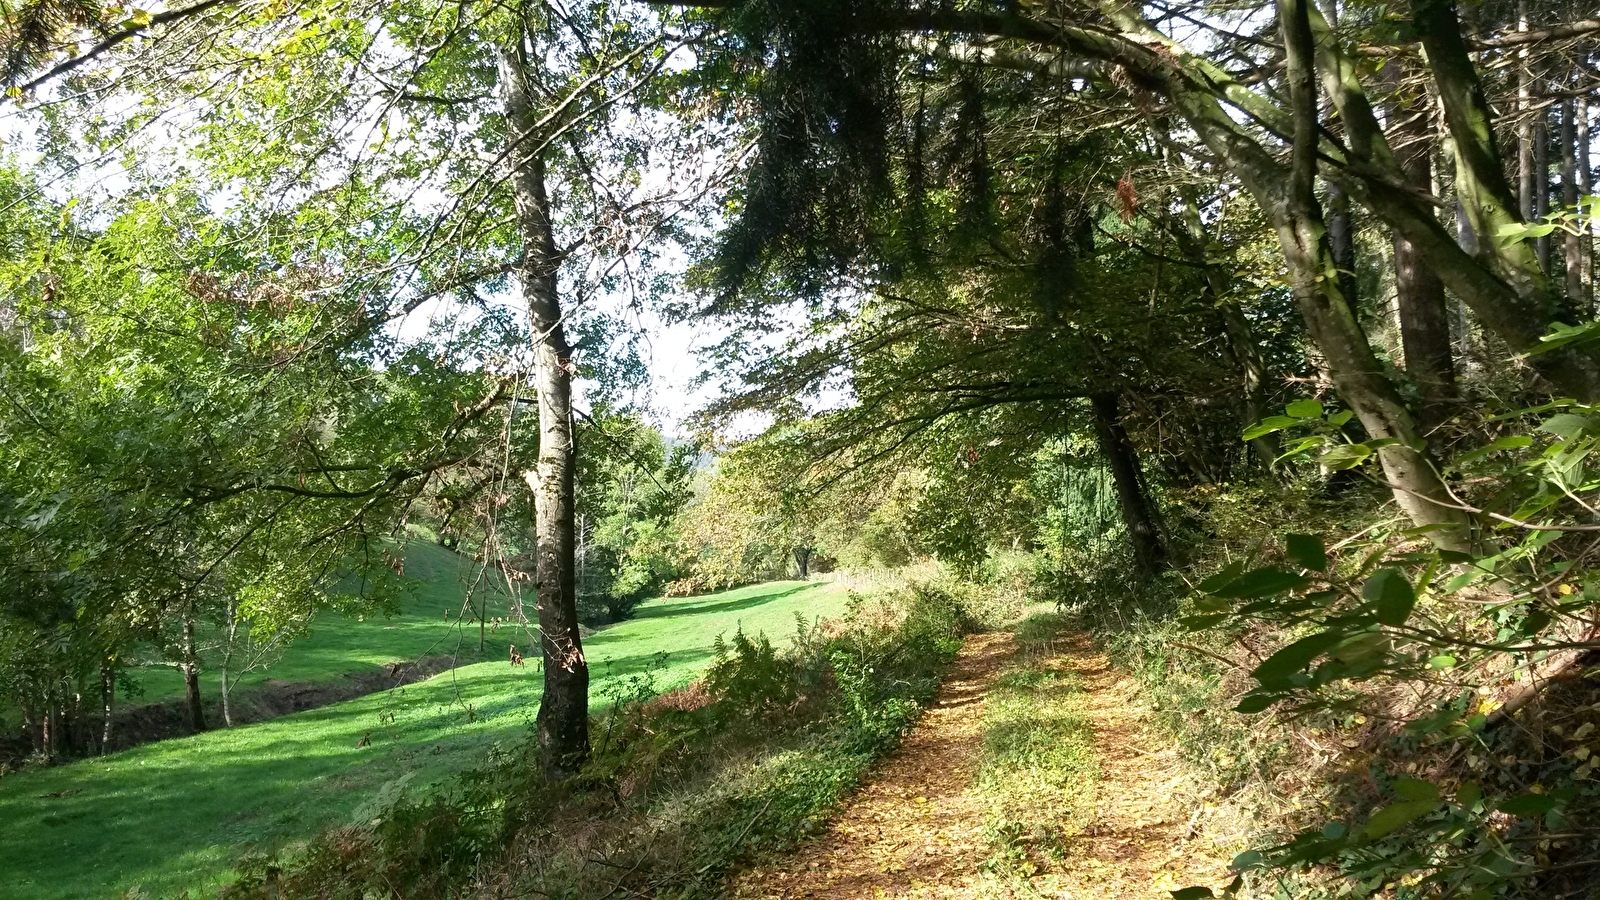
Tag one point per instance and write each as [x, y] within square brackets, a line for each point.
[1392, 818]
[1306, 551]
[1566, 425]
[1528, 805]
[1536, 621]
[1255, 702]
[1469, 794]
[1201, 623]
[1261, 583]
[1277, 668]
[1561, 335]
[1192, 893]
[1441, 662]
[1338, 419]
[1391, 596]
[1416, 789]
[1269, 425]
[1221, 579]
[1247, 860]
[1305, 409]
[1346, 456]
[1515, 442]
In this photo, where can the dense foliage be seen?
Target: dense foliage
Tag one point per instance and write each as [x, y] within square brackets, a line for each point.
[1269, 323]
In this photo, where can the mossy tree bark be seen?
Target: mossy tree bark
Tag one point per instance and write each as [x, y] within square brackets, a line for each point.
[563, 720]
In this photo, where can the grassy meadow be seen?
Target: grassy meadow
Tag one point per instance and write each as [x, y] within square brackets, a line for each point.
[339, 645]
[174, 815]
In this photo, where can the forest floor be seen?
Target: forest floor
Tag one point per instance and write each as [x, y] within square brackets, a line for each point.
[925, 824]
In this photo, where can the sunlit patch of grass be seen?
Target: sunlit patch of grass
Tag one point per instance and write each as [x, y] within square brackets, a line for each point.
[1038, 770]
[173, 815]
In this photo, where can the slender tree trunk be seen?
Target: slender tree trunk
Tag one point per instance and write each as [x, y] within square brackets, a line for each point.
[563, 720]
[1330, 318]
[1585, 188]
[1572, 244]
[1541, 181]
[108, 696]
[1524, 80]
[1481, 183]
[31, 723]
[1342, 243]
[191, 676]
[1419, 294]
[1144, 533]
[1341, 226]
[47, 742]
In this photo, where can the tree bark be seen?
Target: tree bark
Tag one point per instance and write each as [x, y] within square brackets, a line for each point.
[1329, 317]
[108, 694]
[563, 720]
[802, 561]
[1541, 185]
[1144, 533]
[1490, 204]
[191, 676]
[1585, 189]
[1419, 294]
[1523, 77]
[1571, 243]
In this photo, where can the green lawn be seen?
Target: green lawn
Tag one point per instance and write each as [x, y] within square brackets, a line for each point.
[339, 645]
[174, 815]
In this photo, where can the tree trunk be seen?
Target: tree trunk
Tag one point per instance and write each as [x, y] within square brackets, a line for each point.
[47, 740]
[1523, 76]
[31, 723]
[1571, 243]
[1341, 225]
[1330, 319]
[108, 695]
[1585, 189]
[1505, 286]
[191, 677]
[563, 720]
[1490, 205]
[1541, 183]
[227, 661]
[802, 561]
[1419, 294]
[1149, 551]
[1342, 243]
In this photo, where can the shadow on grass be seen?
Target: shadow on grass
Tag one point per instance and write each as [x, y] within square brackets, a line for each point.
[691, 608]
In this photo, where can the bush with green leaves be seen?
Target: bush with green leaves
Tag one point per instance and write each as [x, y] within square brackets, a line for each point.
[1473, 664]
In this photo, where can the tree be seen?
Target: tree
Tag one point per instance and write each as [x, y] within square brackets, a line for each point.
[1505, 289]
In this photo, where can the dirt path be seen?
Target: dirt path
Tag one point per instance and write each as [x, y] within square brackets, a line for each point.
[1149, 834]
[916, 829]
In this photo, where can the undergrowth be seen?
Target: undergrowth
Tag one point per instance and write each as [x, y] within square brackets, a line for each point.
[1344, 798]
[681, 787]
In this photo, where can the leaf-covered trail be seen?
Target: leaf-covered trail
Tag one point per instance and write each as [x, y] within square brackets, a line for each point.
[916, 830]
[1150, 833]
